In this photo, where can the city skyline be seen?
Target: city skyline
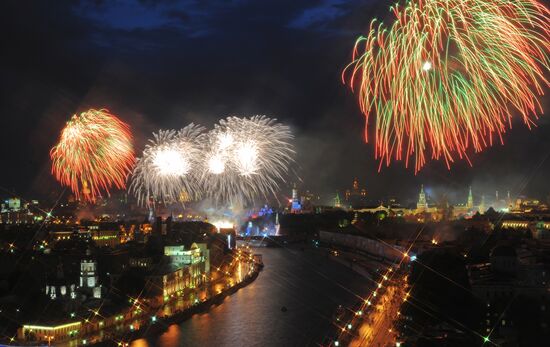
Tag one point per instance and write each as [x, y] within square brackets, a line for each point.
[275, 173]
[116, 65]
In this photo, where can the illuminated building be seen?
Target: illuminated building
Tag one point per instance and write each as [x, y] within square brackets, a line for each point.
[422, 204]
[356, 196]
[295, 204]
[464, 210]
[470, 202]
[503, 205]
[223, 224]
[424, 211]
[60, 288]
[540, 229]
[106, 238]
[198, 253]
[14, 204]
[389, 211]
[50, 333]
[89, 280]
[56, 236]
[337, 201]
[13, 212]
[165, 281]
[525, 205]
[187, 268]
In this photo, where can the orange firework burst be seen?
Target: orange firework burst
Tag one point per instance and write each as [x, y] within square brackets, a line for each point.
[94, 153]
[448, 76]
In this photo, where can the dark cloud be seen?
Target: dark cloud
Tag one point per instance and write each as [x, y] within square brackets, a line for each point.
[162, 64]
[178, 14]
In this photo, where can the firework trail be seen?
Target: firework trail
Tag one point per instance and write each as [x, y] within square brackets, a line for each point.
[94, 153]
[448, 75]
[246, 158]
[168, 169]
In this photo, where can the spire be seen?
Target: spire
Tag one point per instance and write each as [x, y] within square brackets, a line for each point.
[470, 203]
[337, 202]
[422, 204]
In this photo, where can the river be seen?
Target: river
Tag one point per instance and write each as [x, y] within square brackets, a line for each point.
[308, 284]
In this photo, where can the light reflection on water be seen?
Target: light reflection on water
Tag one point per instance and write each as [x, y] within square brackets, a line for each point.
[309, 285]
[139, 343]
[171, 338]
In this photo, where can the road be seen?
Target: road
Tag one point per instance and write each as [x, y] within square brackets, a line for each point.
[375, 326]
[377, 330]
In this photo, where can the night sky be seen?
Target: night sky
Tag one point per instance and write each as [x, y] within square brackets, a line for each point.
[163, 64]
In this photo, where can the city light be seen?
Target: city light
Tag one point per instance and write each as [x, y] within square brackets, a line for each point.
[223, 224]
[140, 246]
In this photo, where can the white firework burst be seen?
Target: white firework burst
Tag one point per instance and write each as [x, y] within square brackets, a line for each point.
[168, 169]
[246, 158]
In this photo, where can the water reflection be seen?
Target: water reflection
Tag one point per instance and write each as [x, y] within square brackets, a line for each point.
[139, 343]
[308, 284]
[171, 338]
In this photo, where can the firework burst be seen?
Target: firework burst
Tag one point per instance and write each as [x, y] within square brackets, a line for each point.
[168, 168]
[94, 154]
[448, 75]
[246, 158]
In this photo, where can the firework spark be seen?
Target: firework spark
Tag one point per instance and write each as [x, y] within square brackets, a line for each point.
[449, 75]
[94, 153]
[247, 158]
[168, 168]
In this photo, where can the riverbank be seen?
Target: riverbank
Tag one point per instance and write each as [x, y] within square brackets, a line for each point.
[160, 324]
[309, 285]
